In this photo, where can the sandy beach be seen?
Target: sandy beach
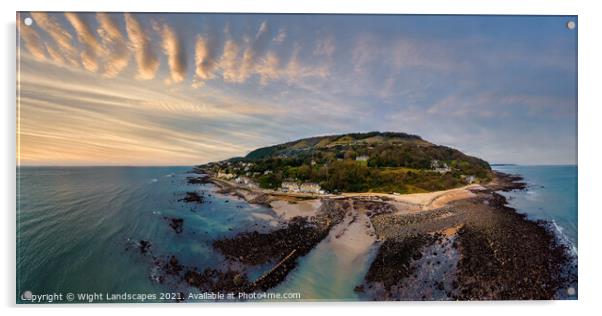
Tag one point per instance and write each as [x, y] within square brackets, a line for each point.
[289, 205]
[289, 209]
[424, 201]
[456, 229]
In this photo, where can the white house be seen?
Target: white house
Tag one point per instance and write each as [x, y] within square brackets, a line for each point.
[361, 158]
[310, 187]
[306, 187]
[243, 180]
[289, 186]
[440, 167]
[469, 179]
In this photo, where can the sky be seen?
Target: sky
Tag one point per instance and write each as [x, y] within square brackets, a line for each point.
[185, 89]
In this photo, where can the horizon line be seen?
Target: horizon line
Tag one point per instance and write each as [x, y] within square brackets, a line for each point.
[193, 165]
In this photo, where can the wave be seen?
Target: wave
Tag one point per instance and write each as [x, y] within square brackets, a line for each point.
[564, 239]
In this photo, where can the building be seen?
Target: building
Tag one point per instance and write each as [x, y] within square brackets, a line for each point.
[289, 186]
[361, 158]
[306, 187]
[440, 167]
[243, 180]
[469, 179]
[310, 187]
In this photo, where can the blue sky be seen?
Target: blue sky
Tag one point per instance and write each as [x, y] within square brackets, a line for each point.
[183, 89]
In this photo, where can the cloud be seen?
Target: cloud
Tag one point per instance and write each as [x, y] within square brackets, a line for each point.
[263, 29]
[296, 71]
[268, 68]
[81, 120]
[55, 55]
[60, 36]
[147, 61]
[32, 40]
[402, 52]
[92, 49]
[119, 56]
[238, 70]
[172, 47]
[491, 104]
[281, 36]
[246, 65]
[108, 51]
[229, 62]
[204, 59]
[325, 47]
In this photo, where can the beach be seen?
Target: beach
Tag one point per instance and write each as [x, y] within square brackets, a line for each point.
[462, 236]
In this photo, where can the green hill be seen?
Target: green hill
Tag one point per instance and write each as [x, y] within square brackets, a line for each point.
[362, 162]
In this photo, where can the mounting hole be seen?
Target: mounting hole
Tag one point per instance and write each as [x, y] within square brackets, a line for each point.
[28, 21]
[570, 25]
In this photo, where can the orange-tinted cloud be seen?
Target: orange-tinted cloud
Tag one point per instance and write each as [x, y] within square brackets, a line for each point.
[61, 37]
[32, 40]
[92, 49]
[146, 59]
[112, 38]
[172, 47]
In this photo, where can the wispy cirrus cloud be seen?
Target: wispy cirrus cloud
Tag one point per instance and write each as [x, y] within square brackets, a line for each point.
[61, 37]
[268, 68]
[239, 64]
[204, 59]
[280, 36]
[265, 79]
[296, 70]
[108, 50]
[146, 59]
[118, 57]
[229, 62]
[55, 55]
[325, 46]
[92, 49]
[254, 48]
[172, 47]
[32, 40]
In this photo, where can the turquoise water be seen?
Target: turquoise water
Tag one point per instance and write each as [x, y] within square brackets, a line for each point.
[77, 229]
[551, 196]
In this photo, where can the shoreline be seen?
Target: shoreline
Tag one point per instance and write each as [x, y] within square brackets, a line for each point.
[405, 203]
[463, 221]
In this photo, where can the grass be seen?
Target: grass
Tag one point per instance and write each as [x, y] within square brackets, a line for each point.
[397, 170]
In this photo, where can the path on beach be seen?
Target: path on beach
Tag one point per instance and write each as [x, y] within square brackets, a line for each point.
[338, 263]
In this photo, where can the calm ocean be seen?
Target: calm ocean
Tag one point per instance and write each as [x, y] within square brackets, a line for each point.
[77, 228]
[74, 225]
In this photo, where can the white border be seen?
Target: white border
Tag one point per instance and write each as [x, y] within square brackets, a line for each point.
[589, 146]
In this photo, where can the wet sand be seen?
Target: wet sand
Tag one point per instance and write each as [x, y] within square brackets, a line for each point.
[339, 260]
[289, 209]
[352, 238]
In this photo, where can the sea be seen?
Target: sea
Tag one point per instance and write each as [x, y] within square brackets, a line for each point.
[79, 231]
[551, 195]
